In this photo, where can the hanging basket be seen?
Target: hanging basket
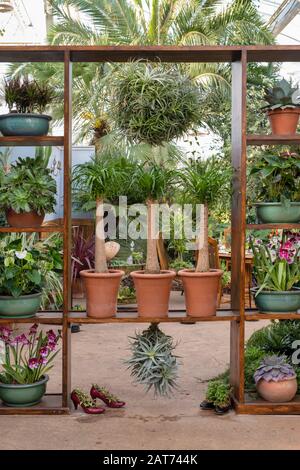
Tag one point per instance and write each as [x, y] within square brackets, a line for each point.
[6, 6]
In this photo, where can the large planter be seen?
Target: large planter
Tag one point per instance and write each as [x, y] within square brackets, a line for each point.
[19, 395]
[277, 213]
[277, 301]
[24, 219]
[153, 292]
[284, 121]
[277, 392]
[201, 291]
[19, 124]
[101, 292]
[24, 306]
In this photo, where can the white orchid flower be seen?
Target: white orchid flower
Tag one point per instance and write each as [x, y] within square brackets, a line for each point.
[21, 254]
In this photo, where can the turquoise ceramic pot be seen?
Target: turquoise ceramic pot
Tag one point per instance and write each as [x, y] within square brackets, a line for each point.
[18, 124]
[24, 306]
[18, 395]
[277, 302]
[277, 213]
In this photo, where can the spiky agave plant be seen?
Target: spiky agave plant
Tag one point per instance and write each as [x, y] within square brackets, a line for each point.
[152, 363]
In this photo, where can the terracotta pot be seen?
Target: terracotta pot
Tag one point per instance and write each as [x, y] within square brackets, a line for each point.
[101, 292]
[24, 219]
[284, 121]
[277, 392]
[201, 291]
[153, 292]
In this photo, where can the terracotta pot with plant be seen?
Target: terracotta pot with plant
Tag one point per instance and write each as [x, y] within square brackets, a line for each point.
[283, 108]
[152, 105]
[103, 178]
[204, 183]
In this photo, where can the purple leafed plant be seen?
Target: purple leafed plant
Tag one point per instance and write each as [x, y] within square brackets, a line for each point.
[274, 369]
[83, 253]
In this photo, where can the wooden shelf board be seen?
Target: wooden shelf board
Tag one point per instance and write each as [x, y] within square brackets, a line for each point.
[51, 404]
[256, 406]
[47, 318]
[272, 316]
[42, 229]
[29, 141]
[130, 316]
[273, 139]
[272, 226]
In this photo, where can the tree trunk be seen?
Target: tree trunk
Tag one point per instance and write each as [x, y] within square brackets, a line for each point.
[203, 256]
[152, 263]
[100, 256]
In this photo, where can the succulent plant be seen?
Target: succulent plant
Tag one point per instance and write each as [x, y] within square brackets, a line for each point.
[275, 369]
[281, 96]
[152, 363]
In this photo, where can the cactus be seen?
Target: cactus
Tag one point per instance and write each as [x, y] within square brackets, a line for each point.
[275, 369]
[281, 96]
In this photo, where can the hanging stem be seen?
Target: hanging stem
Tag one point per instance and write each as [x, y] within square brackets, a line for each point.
[203, 256]
[100, 256]
[152, 263]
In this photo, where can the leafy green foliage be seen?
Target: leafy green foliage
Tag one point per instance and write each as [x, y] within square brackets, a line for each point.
[152, 363]
[205, 181]
[218, 392]
[275, 178]
[154, 103]
[281, 96]
[152, 181]
[28, 186]
[27, 96]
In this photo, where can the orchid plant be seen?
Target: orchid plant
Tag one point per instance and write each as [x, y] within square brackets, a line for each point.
[26, 358]
[276, 264]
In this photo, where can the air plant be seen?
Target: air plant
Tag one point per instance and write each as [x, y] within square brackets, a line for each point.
[274, 369]
[152, 363]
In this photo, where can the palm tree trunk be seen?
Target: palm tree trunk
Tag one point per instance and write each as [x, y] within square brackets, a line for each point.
[203, 255]
[100, 256]
[152, 263]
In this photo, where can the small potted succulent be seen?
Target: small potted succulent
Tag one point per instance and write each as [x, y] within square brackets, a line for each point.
[22, 278]
[218, 397]
[283, 107]
[27, 192]
[204, 182]
[276, 380]
[26, 100]
[275, 183]
[26, 361]
[277, 274]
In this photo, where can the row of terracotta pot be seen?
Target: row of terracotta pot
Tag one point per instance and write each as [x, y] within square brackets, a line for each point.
[152, 292]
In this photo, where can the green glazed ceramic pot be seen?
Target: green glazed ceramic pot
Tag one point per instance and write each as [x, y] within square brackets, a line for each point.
[277, 301]
[19, 395]
[24, 306]
[19, 124]
[277, 213]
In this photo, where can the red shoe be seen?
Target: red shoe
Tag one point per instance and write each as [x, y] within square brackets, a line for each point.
[89, 406]
[110, 400]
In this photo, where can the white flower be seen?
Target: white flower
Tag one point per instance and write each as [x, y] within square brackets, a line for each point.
[21, 254]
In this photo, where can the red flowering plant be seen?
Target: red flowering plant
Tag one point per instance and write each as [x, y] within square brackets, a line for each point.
[276, 264]
[26, 358]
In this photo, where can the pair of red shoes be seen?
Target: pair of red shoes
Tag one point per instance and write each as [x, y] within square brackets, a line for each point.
[88, 403]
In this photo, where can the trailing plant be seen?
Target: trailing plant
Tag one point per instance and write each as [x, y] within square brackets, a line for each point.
[276, 265]
[275, 178]
[154, 103]
[274, 369]
[152, 363]
[28, 187]
[27, 96]
[281, 96]
[205, 182]
[28, 357]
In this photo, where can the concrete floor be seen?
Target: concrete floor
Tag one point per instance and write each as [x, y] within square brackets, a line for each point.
[148, 423]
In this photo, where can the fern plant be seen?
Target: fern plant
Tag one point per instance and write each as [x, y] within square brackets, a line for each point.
[152, 363]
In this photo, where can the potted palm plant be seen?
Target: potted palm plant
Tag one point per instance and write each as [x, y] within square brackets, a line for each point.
[204, 183]
[27, 359]
[27, 192]
[153, 182]
[277, 274]
[274, 181]
[283, 107]
[27, 101]
[103, 178]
